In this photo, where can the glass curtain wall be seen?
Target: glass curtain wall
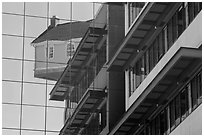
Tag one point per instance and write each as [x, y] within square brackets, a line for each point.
[26, 108]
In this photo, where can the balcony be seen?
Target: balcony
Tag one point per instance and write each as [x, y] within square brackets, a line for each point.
[89, 105]
[165, 84]
[143, 31]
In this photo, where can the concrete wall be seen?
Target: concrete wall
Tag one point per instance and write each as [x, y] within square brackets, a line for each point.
[116, 28]
[100, 81]
[116, 80]
[116, 97]
[195, 126]
[191, 37]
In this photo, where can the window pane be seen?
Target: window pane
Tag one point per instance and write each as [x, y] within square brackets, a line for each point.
[184, 103]
[9, 27]
[156, 51]
[153, 127]
[175, 27]
[161, 46]
[10, 116]
[52, 133]
[169, 35]
[199, 88]
[162, 123]
[11, 69]
[172, 114]
[29, 51]
[97, 6]
[147, 62]
[82, 11]
[194, 93]
[138, 73]
[181, 20]
[178, 110]
[12, 47]
[33, 117]
[190, 12]
[55, 9]
[157, 125]
[29, 73]
[11, 92]
[164, 39]
[10, 132]
[35, 26]
[151, 61]
[34, 94]
[13, 7]
[53, 102]
[55, 118]
[168, 119]
[142, 68]
[36, 8]
[31, 132]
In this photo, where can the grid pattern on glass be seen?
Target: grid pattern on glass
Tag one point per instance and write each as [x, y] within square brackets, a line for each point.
[26, 108]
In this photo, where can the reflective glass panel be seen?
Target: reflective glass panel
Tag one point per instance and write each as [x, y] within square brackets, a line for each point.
[11, 69]
[10, 132]
[29, 73]
[11, 92]
[29, 51]
[32, 132]
[82, 11]
[52, 133]
[12, 47]
[9, 27]
[34, 94]
[36, 9]
[10, 116]
[33, 117]
[55, 118]
[13, 7]
[35, 26]
[55, 10]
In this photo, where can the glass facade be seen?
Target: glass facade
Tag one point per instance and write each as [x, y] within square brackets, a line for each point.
[26, 108]
[162, 43]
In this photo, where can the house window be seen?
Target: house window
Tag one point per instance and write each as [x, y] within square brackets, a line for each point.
[51, 52]
[70, 50]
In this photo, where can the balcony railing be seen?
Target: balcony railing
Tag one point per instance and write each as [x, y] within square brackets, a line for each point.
[81, 87]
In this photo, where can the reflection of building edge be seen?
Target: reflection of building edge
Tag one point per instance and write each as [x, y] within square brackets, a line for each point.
[138, 71]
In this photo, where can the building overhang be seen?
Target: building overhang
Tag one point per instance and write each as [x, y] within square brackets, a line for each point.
[91, 103]
[142, 32]
[50, 73]
[171, 78]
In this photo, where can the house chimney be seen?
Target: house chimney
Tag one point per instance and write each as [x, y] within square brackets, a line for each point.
[54, 21]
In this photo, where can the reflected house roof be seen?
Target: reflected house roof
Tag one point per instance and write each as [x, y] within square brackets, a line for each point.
[64, 31]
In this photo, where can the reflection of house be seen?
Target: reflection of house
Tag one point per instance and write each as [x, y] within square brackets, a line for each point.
[56, 46]
[137, 70]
